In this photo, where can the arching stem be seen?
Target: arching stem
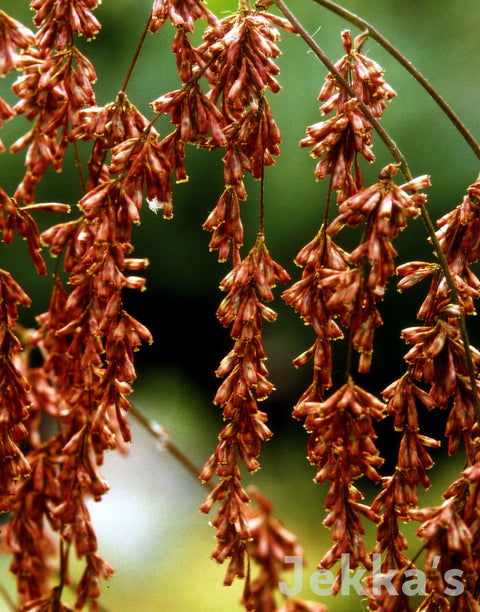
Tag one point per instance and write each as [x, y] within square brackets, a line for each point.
[137, 53]
[162, 438]
[261, 213]
[388, 142]
[403, 61]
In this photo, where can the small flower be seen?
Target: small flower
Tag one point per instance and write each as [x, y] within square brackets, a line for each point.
[13, 36]
[414, 272]
[182, 14]
[242, 60]
[338, 141]
[225, 223]
[447, 541]
[365, 75]
[59, 20]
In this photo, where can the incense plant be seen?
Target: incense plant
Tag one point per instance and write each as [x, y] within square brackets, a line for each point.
[75, 369]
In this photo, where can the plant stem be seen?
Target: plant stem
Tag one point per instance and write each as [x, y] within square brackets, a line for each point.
[161, 436]
[455, 300]
[137, 53]
[78, 164]
[63, 553]
[261, 215]
[403, 61]
[400, 159]
[388, 142]
[327, 206]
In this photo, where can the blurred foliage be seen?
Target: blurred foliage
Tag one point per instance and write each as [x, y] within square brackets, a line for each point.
[152, 533]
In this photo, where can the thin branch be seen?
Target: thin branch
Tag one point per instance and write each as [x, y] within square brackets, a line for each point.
[64, 553]
[78, 164]
[455, 300]
[164, 442]
[137, 53]
[261, 215]
[400, 159]
[388, 142]
[403, 61]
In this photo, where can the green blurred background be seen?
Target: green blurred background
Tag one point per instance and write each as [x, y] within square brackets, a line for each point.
[148, 525]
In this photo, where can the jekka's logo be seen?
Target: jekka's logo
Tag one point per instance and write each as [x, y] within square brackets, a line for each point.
[321, 581]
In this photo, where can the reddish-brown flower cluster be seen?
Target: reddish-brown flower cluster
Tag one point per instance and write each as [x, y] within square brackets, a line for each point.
[342, 447]
[195, 116]
[436, 359]
[245, 382]
[309, 300]
[15, 397]
[17, 472]
[28, 537]
[338, 140]
[86, 338]
[58, 21]
[88, 342]
[386, 207]
[240, 69]
[56, 83]
[236, 58]
[437, 356]
[14, 36]
[268, 548]
[459, 238]
[108, 126]
[341, 290]
[449, 533]
[335, 284]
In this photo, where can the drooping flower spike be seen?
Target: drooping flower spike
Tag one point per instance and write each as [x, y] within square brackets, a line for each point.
[338, 141]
